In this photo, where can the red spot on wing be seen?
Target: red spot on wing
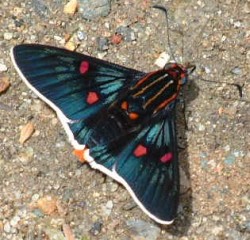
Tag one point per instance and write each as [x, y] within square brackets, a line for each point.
[140, 151]
[84, 67]
[92, 98]
[166, 157]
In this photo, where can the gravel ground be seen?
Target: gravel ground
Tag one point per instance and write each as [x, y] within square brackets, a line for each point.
[45, 193]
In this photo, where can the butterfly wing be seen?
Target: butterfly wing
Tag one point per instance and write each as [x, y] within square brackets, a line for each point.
[78, 87]
[146, 163]
[81, 89]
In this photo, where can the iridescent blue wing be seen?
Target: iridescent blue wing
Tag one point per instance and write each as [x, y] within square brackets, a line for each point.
[77, 84]
[78, 87]
[146, 163]
[82, 89]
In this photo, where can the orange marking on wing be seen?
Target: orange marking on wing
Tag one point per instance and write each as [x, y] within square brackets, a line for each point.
[79, 154]
[133, 116]
[124, 105]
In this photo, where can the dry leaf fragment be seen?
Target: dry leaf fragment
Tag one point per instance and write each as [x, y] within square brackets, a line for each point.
[61, 208]
[71, 7]
[26, 132]
[47, 204]
[68, 232]
[67, 37]
[220, 110]
[4, 83]
[1, 226]
[70, 45]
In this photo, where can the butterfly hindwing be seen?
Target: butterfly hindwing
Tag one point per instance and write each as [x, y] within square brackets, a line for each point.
[146, 163]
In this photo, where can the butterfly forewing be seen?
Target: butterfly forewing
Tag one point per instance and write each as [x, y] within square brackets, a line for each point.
[78, 85]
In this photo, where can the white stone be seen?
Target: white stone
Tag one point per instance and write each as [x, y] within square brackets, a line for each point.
[14, 221]
[3, 67]
[8, 36]
[162, 60]
[7, 227]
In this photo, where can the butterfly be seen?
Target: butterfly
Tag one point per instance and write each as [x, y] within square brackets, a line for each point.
[120, 120]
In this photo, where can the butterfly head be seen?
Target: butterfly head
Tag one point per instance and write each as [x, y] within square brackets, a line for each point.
[179, 71]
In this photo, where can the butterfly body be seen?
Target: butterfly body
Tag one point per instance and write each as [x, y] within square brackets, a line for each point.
[123, 117]
[145, 100]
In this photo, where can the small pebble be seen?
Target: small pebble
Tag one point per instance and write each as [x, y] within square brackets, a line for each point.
[129, 206]
[92, 9]
[113, 187]
[246, 8]
[204, 164]
[227, 148]
[101, 55]
[116, 38]
[18, 23]
[40, 7]
[223, 38]
[53, 233]
[236, 71]
[14, 221]
[71, 7]
[35, 197]
[81, 35]
[107, 209]
[60, 144]
[127, 33]
[3, 67]
[1, 226]
[38, 213]
[230, 160]
[26, 156]
[207, 70]
[4, 83]
[96, 228]
[102, 43]
[162, 60]
[8, 36]
[217, 230]
[143, 230]
[7, 227]
[201, 127]
[237, 24]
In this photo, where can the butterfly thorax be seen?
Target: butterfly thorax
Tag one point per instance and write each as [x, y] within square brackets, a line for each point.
[155, 92]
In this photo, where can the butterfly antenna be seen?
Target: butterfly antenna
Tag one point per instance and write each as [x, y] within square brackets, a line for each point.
[238, 86]
[168, 34]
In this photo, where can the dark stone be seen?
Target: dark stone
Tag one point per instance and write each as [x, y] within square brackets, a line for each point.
[91, 9]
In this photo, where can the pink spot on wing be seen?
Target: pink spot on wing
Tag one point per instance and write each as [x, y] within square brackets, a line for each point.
[92, 98]
[84, 67]
[166, 157]
[140, 151]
